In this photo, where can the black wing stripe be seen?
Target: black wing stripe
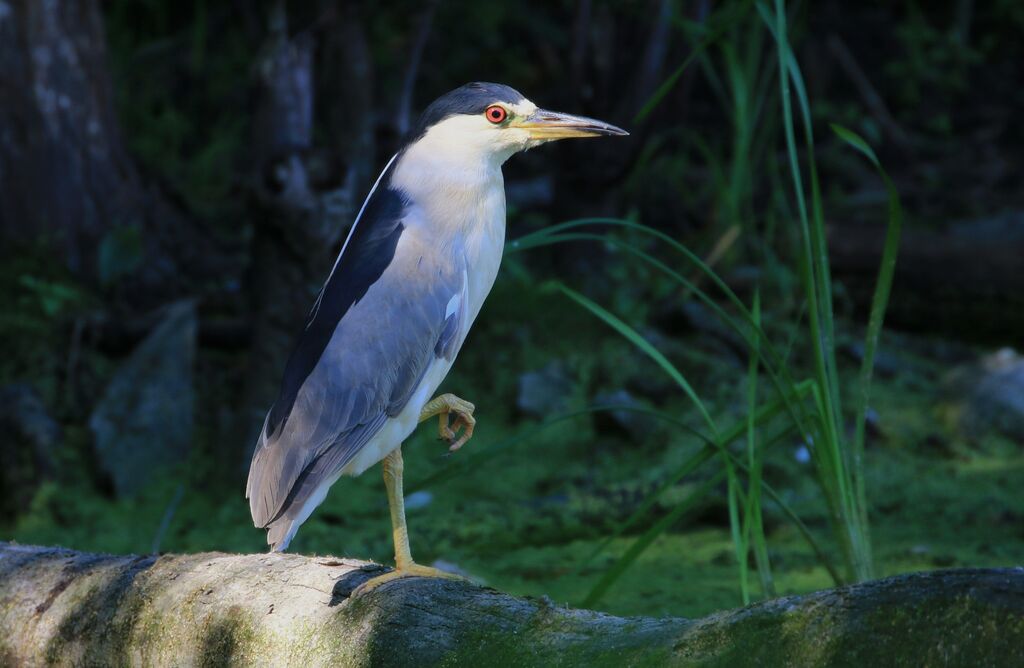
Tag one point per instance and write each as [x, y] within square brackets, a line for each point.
[371, 247]
[316, 305]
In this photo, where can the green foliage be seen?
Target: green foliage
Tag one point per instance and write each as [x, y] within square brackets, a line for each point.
[53, 298]
[841, 470]
[39, 300]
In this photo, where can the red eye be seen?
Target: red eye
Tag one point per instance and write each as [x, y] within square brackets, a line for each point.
[496, 113]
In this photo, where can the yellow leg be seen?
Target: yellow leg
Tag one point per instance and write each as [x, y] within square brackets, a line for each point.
[443, 406]
[404, 565]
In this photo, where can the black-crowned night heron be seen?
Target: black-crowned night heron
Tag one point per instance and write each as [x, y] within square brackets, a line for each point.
[410, 279]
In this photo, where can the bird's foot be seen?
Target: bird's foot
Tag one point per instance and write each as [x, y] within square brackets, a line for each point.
[444, 406]
[412, 570]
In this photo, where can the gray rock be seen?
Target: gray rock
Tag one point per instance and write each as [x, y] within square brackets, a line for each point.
[545, 392]
[143, 423]
[989, 396]
[23, 415]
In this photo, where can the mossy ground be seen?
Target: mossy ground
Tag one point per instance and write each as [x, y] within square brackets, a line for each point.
[525, 517]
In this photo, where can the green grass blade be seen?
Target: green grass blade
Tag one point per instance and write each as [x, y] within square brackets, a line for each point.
[754, 520]
[837, 467]
[879, 303]
[857, 142]
[753, 506]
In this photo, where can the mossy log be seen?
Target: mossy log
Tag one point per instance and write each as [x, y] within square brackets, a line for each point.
[63, 607]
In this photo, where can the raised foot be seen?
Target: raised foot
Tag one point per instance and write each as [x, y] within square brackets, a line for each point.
[444, 406]
[410, 571]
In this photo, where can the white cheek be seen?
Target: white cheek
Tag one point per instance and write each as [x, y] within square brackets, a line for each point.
[515, 138]
[470, 140]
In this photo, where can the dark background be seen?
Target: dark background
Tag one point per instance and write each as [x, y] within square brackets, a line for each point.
[176, 178]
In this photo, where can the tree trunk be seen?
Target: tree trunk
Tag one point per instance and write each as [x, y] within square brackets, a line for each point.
[63, 607]
[65, 174]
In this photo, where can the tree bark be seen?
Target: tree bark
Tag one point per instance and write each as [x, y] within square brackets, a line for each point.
[63, 167]
[65, 173]
[63, 607]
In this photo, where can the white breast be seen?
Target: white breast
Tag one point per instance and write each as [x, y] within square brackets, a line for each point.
[484, 244]
[460, 196]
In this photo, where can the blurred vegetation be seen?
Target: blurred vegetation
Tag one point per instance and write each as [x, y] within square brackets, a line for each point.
[649, 508]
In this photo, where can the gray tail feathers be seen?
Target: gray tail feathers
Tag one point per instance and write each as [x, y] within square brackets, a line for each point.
[280, 533]
[251, 491]
[280, 529]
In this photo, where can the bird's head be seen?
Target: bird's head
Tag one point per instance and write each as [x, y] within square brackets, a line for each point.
[492, 122]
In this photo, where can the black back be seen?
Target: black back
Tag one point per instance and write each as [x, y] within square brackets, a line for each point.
[368, 253]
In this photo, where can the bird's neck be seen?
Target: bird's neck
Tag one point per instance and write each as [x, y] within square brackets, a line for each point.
[458, 203]
[458, 188]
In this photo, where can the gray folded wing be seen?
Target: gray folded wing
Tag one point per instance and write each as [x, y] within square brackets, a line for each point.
[384, 315]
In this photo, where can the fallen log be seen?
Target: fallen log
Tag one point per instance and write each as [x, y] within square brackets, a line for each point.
[965, 282]
[63, 607]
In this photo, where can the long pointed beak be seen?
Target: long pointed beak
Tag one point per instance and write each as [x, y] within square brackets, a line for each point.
[547, 125]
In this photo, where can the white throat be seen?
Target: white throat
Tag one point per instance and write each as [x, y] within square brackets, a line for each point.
[453, 175]
[452, 178]
[447, 152]
[464, 151]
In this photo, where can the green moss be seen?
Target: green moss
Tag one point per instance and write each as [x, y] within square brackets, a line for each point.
[226, 639]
